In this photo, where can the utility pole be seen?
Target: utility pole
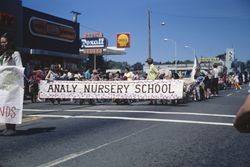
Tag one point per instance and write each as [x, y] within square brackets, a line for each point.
[149, 36]
[75, 14]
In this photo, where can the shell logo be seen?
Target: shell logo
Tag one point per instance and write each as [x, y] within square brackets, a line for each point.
[123, 40]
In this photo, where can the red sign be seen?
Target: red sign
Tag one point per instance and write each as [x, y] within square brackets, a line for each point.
[123, 40]
[48, 29]
[7, 20]
[93, 35]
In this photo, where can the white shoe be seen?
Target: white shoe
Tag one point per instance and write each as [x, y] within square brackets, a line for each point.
[40, 100]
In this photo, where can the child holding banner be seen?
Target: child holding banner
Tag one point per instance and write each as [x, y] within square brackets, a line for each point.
[9, 57]
[128, 75]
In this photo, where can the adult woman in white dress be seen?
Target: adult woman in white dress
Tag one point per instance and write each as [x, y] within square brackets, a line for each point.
[9, 57]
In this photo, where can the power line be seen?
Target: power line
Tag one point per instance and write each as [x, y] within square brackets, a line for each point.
[89, 28]
[202, 17]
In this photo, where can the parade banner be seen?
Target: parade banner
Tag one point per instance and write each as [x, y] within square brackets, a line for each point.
[11, 94]
[137, 89]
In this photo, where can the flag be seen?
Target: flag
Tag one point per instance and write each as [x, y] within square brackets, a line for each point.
[195, 69]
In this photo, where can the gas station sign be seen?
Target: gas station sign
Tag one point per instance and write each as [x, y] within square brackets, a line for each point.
[123, 40]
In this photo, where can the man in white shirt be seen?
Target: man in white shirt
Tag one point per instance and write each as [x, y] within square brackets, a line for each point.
[215, 86]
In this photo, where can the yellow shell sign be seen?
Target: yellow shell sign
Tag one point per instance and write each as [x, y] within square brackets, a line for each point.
[123, 40]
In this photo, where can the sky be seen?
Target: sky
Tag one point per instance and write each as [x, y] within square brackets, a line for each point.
[208, 27]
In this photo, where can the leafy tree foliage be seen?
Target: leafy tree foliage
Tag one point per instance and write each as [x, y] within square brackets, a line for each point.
[137, 66]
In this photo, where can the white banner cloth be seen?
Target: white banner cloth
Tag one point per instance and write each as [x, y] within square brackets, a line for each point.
[11, 94]
[137, 89]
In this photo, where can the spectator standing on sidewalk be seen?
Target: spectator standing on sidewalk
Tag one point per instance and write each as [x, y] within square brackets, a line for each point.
[236, 81]
[215, 81]
[9, 57]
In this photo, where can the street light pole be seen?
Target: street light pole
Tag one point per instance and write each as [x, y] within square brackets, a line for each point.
[194, 51]
[175, 51]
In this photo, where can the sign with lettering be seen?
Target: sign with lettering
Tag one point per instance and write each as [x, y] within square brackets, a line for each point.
[137, 89]
[11, 94]
[89, 43]
[230, 54]
[92, 34]
[49, 29]
[93, 51]
[209, 59]
[7, 20]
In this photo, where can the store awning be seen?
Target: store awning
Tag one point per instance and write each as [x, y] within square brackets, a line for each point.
[49, 53]
[112, 50]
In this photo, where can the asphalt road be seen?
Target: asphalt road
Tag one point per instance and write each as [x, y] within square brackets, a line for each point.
[138, 135]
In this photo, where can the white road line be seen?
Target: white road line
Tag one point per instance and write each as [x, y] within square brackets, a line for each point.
[135, 119]
[81, 153]
[45, 110]
[230, 94]
[143, 112]
[156, 112]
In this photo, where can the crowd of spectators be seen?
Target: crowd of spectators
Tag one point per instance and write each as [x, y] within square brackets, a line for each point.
[206, 85]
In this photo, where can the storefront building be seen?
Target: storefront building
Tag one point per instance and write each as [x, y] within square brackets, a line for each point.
[41, 38]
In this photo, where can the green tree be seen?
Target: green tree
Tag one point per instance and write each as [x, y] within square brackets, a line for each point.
[188, 62]
[99, 62]
[116, 65]
[248, 63]
[242, 66]
[137, 66]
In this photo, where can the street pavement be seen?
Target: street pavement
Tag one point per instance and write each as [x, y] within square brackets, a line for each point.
[140, 135]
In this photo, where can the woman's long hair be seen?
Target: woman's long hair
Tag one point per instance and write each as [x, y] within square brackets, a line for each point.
[10, 48]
